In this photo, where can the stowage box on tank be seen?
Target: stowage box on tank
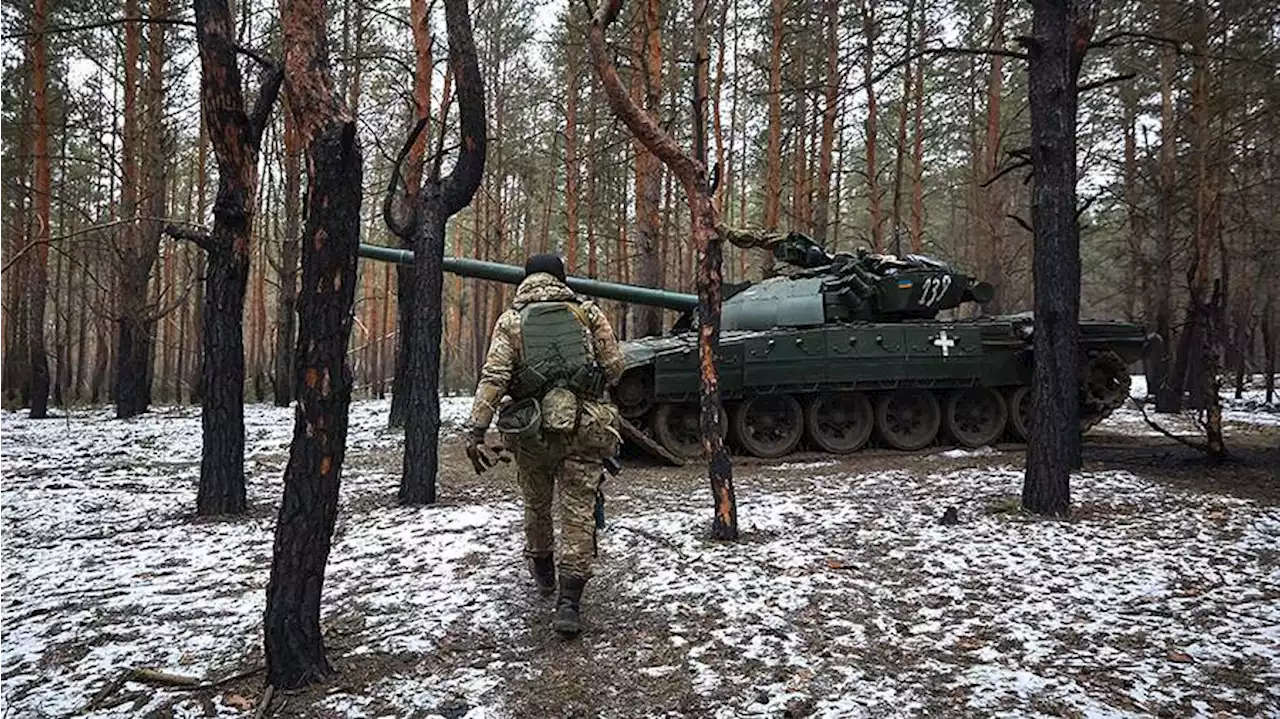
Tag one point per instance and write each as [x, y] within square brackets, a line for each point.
[839, 349]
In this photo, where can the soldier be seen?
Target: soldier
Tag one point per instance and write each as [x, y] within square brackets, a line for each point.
[552, 354]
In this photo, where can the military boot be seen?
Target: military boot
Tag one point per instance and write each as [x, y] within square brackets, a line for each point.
[544, 573]
[566, 620]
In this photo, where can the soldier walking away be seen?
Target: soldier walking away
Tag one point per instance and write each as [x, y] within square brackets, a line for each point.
[551, 358]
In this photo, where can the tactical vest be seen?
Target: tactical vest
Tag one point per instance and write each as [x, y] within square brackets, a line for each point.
[554, 352]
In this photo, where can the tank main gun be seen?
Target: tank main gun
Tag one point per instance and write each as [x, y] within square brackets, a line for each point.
[512, 275]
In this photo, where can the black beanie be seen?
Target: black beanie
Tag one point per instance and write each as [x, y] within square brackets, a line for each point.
[550, 264]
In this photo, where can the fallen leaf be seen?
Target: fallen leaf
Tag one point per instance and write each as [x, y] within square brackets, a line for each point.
[1179, 656]
[238, 702]
[835, 564]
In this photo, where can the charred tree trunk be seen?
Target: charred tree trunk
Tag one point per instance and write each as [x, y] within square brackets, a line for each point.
[430, 207]
[294, 646]
[400, 383]
[1060, 34]
[692, 173]
[236, 136]
[38, 277]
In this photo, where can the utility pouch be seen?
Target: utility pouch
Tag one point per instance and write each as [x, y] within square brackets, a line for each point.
[560, 410]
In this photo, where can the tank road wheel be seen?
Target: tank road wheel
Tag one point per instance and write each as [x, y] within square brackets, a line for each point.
[677, 428]
[840, 422]
[908, 419]
[1019, 402]
[769, 425]
[975, 416]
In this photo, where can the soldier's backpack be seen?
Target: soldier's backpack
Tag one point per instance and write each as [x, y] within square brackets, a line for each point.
[557, 365]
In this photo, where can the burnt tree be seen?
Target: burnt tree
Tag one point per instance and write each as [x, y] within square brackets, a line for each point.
[420, 224]
[236, 135]
[693, 176]
[420, 22]
[304, 528]
[1060, 37]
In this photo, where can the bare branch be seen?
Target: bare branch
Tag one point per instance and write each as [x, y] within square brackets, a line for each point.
[201, 238]
[1008, 169]
[1023, 223]
[256, 56]
[947, 50]
[641, 124]
[460, 186]
[1106, 81]
[267, 94]
[105, 23]
[400, 226]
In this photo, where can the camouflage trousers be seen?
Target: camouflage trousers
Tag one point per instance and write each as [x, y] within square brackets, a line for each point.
[572, 481]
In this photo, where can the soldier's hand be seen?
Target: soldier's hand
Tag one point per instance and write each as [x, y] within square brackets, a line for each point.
[481, 459]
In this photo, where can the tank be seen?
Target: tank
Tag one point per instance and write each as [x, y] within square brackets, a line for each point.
[838, 352]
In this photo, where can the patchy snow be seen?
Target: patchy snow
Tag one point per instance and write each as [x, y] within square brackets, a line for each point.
[1250, 411]
[844, 598]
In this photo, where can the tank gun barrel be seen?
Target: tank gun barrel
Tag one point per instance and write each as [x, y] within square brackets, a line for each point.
[512, 275]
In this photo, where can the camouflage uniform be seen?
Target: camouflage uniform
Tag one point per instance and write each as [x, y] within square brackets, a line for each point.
[572, 468]
[761, 239]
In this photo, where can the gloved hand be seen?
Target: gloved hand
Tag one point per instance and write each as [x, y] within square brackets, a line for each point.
[481, 458]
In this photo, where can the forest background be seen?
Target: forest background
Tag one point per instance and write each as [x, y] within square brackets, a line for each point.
[899, 126]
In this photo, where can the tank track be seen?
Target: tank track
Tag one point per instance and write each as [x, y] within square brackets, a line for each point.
[1104, 388]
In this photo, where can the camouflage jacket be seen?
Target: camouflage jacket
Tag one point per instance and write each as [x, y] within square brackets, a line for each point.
[504, 347]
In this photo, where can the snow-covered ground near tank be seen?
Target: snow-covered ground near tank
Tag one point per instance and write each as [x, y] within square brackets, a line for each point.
[844, 598]
[1250, 410]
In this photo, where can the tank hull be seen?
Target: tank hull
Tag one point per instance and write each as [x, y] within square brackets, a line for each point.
[778, 385]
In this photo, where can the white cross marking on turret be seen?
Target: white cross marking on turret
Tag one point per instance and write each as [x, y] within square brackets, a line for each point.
[945, 342]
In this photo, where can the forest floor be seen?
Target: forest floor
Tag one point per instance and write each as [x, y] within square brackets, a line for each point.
[845, 596]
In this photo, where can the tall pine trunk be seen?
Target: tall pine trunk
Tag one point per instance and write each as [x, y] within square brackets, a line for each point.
[38, 277]
[1060, 34]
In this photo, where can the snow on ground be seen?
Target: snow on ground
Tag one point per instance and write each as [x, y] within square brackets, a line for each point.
[1249, 411]
[845, 597]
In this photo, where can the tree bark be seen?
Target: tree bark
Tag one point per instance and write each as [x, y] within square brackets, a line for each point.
[294, 646]
[692, 173]
[431, 206]
[647, 321]
[235, 136]
[773, 149]
[1168, 392]
[287, 274]
[831, 102]
[875, 220]
[993, 197]
[130, 326]
[421, 25]
[571, 148]
[1060, 35]
[41, 197]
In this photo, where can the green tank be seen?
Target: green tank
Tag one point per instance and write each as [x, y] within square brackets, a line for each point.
[839, 351]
